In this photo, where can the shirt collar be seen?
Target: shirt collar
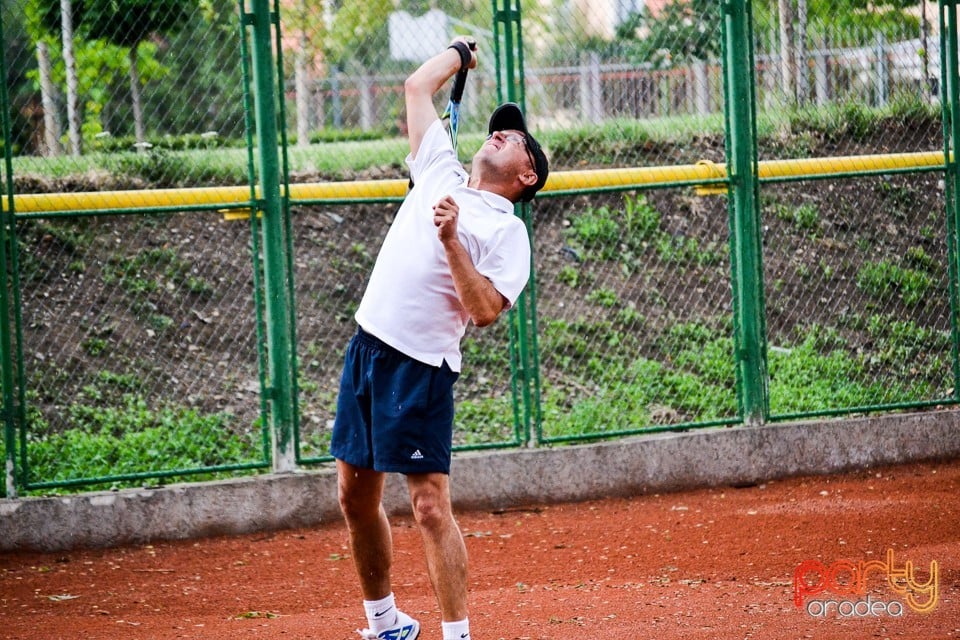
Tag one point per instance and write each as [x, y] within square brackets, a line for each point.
[493, 200]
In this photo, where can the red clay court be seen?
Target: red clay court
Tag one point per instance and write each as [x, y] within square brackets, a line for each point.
[714, 563]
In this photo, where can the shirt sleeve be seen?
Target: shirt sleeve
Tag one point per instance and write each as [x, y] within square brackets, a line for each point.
[507, 262]
[435, 149]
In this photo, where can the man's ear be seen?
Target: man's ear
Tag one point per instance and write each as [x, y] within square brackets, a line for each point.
[528, 177]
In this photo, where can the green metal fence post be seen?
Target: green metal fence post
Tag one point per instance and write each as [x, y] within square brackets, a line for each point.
[747, 276]
[266, 445]
[508, 44]
[950, 98]
[6, 353]
[280, 388]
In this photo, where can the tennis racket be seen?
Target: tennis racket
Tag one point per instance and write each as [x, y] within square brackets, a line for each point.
[452, 112]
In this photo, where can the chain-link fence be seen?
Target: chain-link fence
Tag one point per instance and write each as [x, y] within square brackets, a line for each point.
[140, 347]
[856, 268]
[137, 335]
[142, 333]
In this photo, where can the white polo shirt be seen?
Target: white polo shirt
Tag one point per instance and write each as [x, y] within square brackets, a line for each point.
[410, 301]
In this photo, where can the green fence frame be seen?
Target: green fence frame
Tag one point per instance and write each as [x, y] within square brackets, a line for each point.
[950, 92]
[741, 125]
[270, 223]
[7, 242]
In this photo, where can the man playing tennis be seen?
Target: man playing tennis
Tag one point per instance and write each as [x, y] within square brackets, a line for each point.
[455, 253]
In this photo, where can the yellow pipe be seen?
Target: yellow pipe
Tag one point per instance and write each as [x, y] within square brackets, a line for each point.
[703, 171]
[599, 178]
[217, 196]
[349, 190]
[99, 200]
[849, 164]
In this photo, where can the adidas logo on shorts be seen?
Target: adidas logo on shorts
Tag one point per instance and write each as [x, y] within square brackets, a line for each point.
[416, 455]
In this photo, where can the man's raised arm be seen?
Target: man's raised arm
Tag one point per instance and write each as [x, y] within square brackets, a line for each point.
[424, 83]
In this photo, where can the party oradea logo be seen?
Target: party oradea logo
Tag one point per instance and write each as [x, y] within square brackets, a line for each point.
[842, 588]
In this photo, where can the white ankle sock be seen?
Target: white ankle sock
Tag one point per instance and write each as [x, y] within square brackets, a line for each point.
[381, 614]
[456, 630]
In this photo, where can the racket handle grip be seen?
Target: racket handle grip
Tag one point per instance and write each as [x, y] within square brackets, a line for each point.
[460, 81]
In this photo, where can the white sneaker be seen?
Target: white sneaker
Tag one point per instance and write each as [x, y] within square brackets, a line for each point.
[405, 628]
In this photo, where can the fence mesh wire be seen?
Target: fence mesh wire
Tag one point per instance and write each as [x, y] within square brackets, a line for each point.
[632, 296]
[858, 310]
[139, 344]
[848, 261]
[121, 96]
[634, 312]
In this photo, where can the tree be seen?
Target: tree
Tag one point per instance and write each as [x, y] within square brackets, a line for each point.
[835, 22]
[21, 107]
[358, 35]
[305, 30]
[685, 30]
[359, 44]
[44, 23]
[203, 61]
[127, 23]
[358, 39]
[788, 58]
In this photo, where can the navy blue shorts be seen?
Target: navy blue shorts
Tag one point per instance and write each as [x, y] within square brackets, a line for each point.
[394, 413]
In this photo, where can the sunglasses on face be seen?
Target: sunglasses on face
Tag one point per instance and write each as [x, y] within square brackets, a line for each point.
[518, 139]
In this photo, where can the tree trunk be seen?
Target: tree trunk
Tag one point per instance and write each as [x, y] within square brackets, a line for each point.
[73, 100]
[787, 53]
[803, 68]
[366, 102]
[929, 83]
[302, 93]
[51, 119]
[135, 96]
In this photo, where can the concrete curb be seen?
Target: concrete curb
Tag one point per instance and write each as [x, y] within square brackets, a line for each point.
[488, 480]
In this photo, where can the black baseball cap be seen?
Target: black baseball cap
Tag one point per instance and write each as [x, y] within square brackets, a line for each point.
[509, 116]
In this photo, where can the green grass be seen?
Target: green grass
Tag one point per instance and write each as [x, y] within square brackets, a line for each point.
[807, 378]
[166, 168]
[642, 394]
[886, 281]
[625, 233]
[805, 217]
[627, 142]
[607, 388]
[693, 380]
[484, 421]
[134, 438]
[147, 271]
[848, 120]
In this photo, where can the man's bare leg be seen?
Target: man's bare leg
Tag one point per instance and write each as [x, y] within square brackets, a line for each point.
[443, 543]
[371, 545]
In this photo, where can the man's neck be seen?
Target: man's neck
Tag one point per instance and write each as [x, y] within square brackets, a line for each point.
[478, 183]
